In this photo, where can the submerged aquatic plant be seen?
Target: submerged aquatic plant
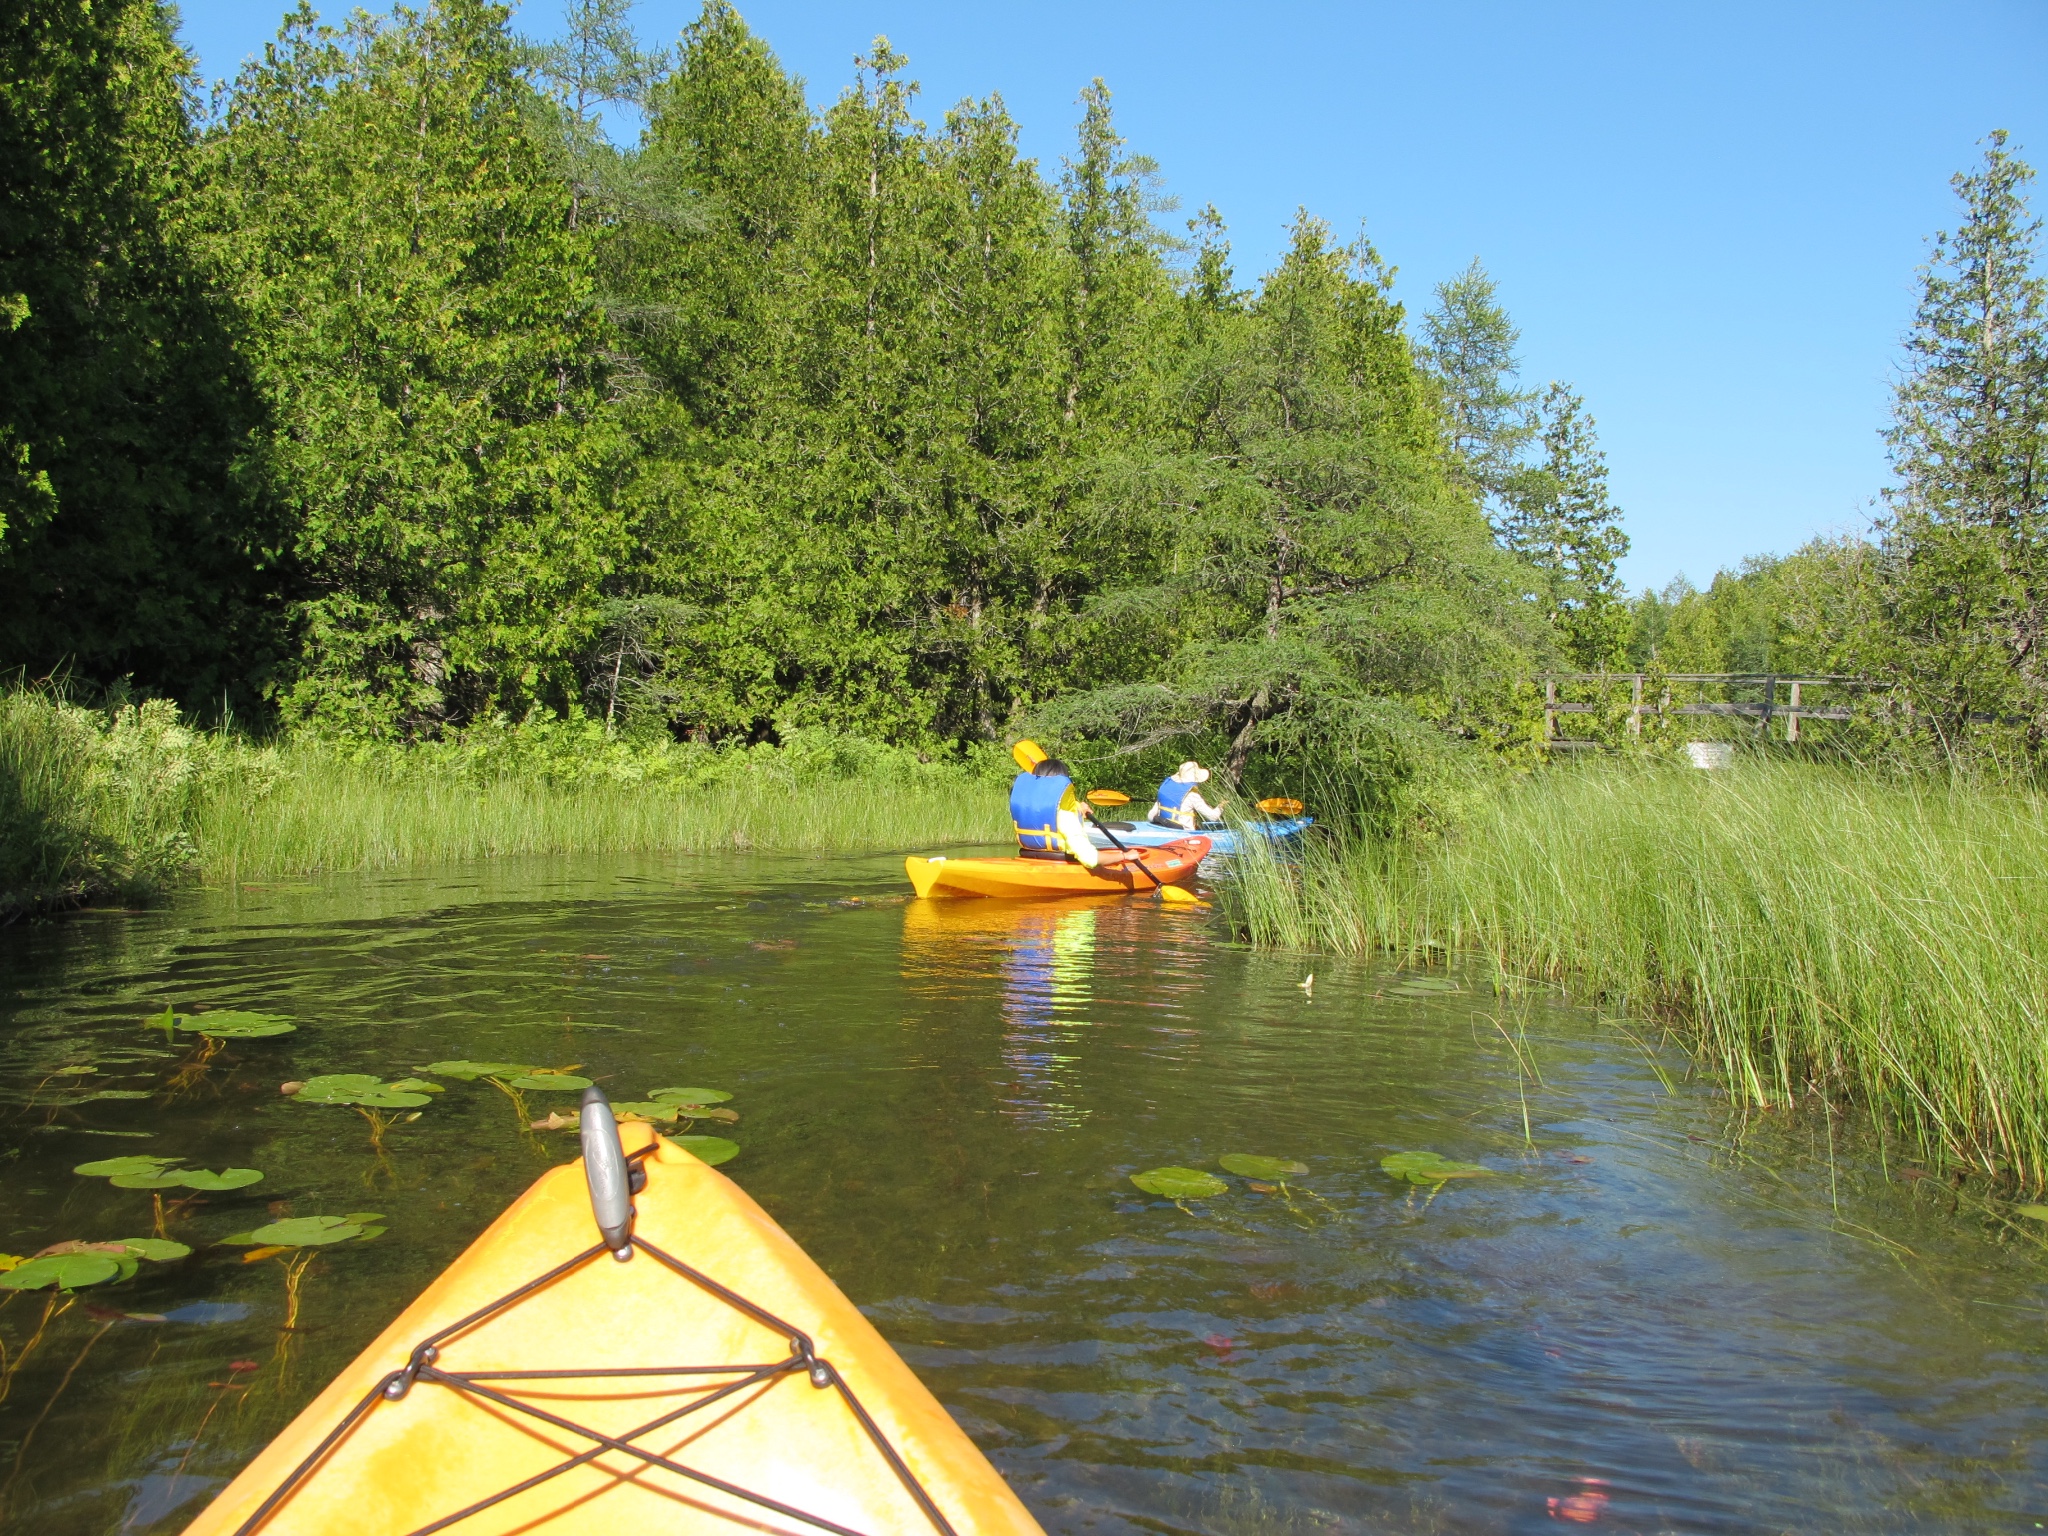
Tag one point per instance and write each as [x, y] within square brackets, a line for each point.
[1178, 1184]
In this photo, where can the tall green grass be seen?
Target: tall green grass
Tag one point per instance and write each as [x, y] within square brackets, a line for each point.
[1814, 930]
[126, 801]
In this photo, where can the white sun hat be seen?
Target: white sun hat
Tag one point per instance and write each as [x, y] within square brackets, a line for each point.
[1191, 773]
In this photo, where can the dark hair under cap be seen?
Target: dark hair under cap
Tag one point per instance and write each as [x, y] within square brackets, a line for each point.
[1052, 768]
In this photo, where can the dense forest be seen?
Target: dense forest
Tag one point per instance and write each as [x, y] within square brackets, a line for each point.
[382, 394]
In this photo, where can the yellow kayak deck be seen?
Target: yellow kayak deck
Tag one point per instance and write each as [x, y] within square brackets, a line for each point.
[742, 1405]
[1172, 863]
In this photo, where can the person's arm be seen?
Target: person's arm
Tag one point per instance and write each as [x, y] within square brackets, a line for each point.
[1203, 808]
[1074, 828]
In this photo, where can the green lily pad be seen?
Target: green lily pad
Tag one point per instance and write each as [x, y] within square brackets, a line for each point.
[358, 1088]
[238, 1024]
[1252, 1166]
[1427, 984]
[337, 1087]
[113, 1167]
[533, 1081]
[687, 1095]
[119, 1093]
[158, 1250]
[168, 1179]
[470, 1071]
[66, 1271]
[227, 1178]
[1179, 1183]
[2038, 1212]
[1430, 1168]
[647, 1109]
[301, 1232]
[416, 1085]
[166, 1021]
[709, 1149]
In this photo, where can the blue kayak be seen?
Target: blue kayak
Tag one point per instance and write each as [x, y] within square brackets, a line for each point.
[1222, 840]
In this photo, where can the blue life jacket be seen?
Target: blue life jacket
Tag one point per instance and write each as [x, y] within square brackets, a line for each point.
[1035, 811]
[1171, 793]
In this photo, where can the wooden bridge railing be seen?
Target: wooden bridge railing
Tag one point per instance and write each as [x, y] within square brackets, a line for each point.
[1764, 710]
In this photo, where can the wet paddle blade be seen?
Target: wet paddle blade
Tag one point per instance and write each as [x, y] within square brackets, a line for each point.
[1028, 754]
[1280, 805]
[1108, 797]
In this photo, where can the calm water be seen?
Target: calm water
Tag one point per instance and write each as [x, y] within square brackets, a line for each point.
[1731, 1328]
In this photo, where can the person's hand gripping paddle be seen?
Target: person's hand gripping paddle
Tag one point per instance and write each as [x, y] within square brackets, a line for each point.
[1171, 894]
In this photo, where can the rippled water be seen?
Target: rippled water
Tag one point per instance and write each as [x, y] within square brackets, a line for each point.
[1648, 1318]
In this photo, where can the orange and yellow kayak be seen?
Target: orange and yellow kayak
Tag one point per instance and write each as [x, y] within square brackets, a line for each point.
[714, 1381]
[1173, 864]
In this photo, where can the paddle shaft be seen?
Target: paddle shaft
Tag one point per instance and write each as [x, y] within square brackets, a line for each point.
[1157, 884]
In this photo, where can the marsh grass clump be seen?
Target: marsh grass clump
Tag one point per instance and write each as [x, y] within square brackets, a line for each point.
[1811, 930]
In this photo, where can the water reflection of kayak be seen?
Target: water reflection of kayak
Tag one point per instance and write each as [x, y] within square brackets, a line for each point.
[1172, 863]
[717, 1381]
[1222, 840]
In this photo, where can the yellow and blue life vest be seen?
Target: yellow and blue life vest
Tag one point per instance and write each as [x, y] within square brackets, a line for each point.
[1035, 811]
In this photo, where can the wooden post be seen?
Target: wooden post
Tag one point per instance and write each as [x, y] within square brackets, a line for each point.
[1635, 705]
[1792, 718]
[1550, 709]
[1770, 705]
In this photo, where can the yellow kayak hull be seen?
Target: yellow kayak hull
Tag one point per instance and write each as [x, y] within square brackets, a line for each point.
[406, 1463]
[1174, 863]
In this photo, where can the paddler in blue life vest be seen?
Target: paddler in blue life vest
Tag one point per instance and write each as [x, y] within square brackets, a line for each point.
[1051, 819]
[1179, 804]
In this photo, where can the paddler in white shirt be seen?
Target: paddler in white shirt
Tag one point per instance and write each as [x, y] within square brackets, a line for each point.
[1179, 804]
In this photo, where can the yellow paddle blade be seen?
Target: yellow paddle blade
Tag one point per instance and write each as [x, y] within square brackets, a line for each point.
[1108, 797]
[1028, 755]
[1280, 805]
[1174, 896]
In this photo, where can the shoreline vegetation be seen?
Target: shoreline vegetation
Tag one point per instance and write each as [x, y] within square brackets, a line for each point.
[1807, 930]
[128, 802]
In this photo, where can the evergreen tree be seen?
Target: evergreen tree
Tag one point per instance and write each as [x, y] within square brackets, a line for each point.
[1568, 531]
[1326, 588]
[1967, 535]
[1470, 351]
[423, 327]
[127, 548]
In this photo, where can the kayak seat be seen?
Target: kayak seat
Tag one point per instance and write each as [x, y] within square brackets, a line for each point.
[1050, 855]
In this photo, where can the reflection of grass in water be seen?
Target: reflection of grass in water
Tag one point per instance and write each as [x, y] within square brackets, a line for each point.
[1812, 930]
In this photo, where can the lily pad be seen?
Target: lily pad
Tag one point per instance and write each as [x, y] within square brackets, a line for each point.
[536, 1081]
[647, 1109]
[158, 1250]
[1430, 1168]
[114, 1167]
[238, 1024]
[337, 1087]
[303, 1232]
[709, 1149]
[416, 1085]
[66, 1271]
[1251, 1166]
[166, 1021]
[160, 1179]
[687, 1095]
[227, 1178]
[358, 1088]
[1179, 1183]
[470, 1071]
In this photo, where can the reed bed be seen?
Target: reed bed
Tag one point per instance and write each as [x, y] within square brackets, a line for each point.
[127, 801]
[1811, 930]
[332, 814]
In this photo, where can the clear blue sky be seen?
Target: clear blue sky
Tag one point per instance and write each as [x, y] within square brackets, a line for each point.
[1706, 218]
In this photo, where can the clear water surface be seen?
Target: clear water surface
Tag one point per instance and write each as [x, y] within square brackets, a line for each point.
[1649, 1317]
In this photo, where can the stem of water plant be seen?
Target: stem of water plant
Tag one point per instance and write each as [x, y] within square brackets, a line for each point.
[51, 1312]
[21, 1451]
